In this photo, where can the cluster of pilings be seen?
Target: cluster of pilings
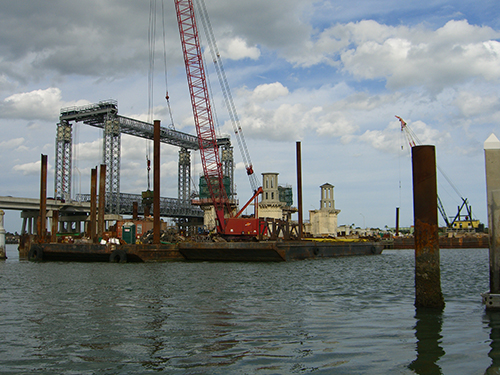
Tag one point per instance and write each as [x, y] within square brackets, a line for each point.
[96, 226]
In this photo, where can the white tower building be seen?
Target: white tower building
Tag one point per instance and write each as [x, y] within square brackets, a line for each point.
[323, 222]
[270, 205]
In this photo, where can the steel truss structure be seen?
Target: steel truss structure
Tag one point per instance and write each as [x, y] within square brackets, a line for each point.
[104, 115]
[169, 207]
[64, 145]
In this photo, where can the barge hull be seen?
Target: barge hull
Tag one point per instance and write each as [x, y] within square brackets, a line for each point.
[210, 251]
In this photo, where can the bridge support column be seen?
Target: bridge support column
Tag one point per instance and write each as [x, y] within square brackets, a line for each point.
[2, 237]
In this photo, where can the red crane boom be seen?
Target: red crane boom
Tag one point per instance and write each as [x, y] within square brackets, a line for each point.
[200, 102]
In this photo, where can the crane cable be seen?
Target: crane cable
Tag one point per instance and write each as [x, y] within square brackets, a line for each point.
[152, 47]
[227, 93]
[167, 96]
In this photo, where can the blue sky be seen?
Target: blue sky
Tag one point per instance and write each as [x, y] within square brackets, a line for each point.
[331, 74]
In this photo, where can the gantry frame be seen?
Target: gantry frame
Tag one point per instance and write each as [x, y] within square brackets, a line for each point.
[104, 115]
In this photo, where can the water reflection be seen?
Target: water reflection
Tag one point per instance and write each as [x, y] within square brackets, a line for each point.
[428, 334]
[492, 318]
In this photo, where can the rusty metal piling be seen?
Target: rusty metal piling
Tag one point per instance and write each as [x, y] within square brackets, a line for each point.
[299, 188]
[156, 183]
[93, 205]
[135, 209]
[397, 221]
[42, 217]
[102, 200]
[492, 166]
[427, 268]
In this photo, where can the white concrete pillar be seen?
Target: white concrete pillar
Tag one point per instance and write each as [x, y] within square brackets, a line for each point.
[2, 237]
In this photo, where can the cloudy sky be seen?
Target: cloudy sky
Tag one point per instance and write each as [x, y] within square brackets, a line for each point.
[331, 74]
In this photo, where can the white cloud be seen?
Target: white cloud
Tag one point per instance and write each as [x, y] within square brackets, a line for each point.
[37, 104]
[88, 151]
[271, 111]
[12, 143]
[268, 92]
[32, 168]
[476, 104]
[236, 48]
[405, 56]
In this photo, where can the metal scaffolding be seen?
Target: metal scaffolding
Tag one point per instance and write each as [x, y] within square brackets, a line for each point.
[228, 169]
[184, 175]
[104, 115]
[64, 145]
[111, 157]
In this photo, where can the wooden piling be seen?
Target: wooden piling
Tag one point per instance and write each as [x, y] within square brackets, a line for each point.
[492, 165]
[427, 268]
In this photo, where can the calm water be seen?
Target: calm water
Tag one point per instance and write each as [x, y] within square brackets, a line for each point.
[336, 316]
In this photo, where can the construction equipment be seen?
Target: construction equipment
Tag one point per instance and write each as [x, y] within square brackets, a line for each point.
[226, 222]
[414, 141]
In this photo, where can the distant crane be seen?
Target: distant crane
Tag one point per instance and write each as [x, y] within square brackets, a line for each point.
[413, 141]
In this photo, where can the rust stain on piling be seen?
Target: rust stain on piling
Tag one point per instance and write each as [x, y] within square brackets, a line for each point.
[427, 268]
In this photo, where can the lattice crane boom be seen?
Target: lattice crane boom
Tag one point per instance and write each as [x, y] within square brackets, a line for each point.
[409, 134]
[202, 111]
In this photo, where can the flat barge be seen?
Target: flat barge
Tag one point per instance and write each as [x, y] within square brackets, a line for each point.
[264, 251]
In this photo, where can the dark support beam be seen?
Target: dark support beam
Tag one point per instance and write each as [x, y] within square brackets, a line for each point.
[156, 183]
[43, 201]
[299, 190]
[427, 267]
[102, 200]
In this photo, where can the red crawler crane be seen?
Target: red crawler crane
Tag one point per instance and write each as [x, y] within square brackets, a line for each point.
[203, 119]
